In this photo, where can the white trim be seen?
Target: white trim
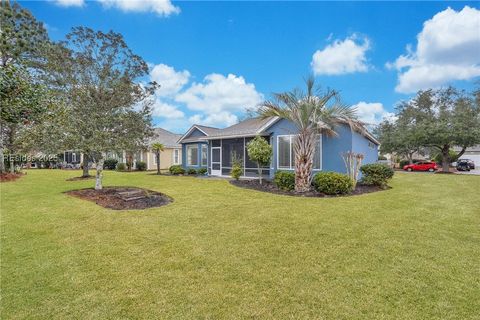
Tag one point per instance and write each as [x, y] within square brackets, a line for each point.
[189, 131]
[201, 155]
[187, 157]
[219, 171]
[178, 156]
[292, 167]
[268, 124]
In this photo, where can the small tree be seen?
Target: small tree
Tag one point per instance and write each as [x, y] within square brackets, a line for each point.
[353, 162]
[261, 152]
[157, 148]
[237, 166]
[108, 107]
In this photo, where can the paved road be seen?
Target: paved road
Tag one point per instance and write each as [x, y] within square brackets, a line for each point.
[476, 171]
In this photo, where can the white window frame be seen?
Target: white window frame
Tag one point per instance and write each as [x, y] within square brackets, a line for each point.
[74, 157]
[206, 155]
[191, 146]
[292, 163]
[176, 156]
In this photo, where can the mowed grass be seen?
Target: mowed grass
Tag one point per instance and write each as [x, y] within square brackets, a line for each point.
[220, 252]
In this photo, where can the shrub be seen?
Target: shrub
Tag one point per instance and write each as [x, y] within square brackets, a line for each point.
[382, 158]
[109, 164]
[202, 171]
[332, 183]
[284, 180]
[141, 166]
[236, 171]
[176, 169]
[376, 174]
[121, 166]
[192, 171]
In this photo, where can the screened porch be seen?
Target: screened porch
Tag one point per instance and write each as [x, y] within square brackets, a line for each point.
[223, 153]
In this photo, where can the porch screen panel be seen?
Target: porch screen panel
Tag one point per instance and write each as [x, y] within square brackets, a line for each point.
[230, 147]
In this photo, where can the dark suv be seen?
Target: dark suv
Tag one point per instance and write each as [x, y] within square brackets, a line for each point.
[465, 165]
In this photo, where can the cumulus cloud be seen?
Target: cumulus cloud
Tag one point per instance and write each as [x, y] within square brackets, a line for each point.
[220, 93]
[170, 81]
[160, 7]
[165, 110]
[341, 57]
[448, 49]
[69, 3]
[221, 119]
[372, 113]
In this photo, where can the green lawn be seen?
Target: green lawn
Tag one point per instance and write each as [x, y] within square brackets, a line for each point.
[411, 252]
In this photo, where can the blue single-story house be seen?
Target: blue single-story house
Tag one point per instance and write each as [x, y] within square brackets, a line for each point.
[212, 148]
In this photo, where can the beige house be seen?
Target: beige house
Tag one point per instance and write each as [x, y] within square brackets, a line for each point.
[172, 155]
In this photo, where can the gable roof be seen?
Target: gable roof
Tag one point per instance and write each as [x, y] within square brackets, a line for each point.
[206, 131]
[252, 127]
[248, 127]
[165, 137]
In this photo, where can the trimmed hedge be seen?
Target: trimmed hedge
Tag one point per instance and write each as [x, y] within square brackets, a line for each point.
[284, 180]
[332, 183]
[192, 171]
[141, 166]
[376, 174]
[110, 164]
[176, 170]
[202, 171]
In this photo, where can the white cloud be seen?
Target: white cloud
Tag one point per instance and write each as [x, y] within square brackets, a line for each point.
[372, 113]
[218, 93]
[69, 3]
[221, 119]
[216, 101]
[448, 49]
[170, 81]
[160, 7]
[165, 110]
[342, 57]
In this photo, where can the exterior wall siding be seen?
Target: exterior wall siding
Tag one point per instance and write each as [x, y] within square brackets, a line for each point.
[166, 159]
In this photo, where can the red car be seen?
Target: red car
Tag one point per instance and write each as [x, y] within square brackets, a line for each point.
[421, 166]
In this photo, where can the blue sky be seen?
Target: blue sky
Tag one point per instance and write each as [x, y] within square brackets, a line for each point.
[214, 59]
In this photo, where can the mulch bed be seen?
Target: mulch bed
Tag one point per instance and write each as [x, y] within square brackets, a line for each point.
[7, 177]
[80, 178]
[123, 198]
[270, 187]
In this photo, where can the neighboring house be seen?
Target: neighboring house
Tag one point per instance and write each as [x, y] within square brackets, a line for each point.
[213, 148]
[172, 154]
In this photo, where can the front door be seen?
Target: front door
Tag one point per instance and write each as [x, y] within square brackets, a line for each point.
[216, 169]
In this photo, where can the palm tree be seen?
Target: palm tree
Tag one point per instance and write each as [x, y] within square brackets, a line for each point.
[157, 148]
[313, 112]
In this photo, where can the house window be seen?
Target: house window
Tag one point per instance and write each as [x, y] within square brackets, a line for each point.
[204, 154]
[74, 157]
[286, 154]
[176, 156]
[192, 155]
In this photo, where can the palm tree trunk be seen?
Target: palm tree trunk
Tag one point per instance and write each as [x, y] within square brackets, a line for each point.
[158, 162]
[304, 148]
